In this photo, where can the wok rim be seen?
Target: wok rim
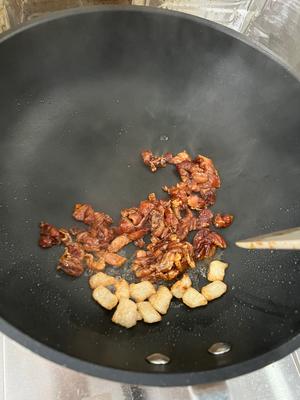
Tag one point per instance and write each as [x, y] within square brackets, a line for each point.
[129, 376]
[55, 15]
[149, 378]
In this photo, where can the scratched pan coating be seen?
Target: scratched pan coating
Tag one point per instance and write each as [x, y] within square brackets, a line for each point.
[81, 94]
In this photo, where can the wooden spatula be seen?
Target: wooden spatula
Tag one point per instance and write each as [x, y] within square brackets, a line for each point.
[288, 239]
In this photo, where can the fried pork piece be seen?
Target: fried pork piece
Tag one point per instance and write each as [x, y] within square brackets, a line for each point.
[137, 234]
[191, 222]
[214, 290]
[161, 299]
[180, 193]
[222, 220]
[140, 243]
[181, 286]
[141, 291]
[88, 242]
[49, 235]
[146, 206]
[96, 264]
[71, 262]
[195, 202]
[162, 219]
[66, 236]
[122, 289]
[203, 220]
[101, 279]
[133, 214]
[164, 259]
[134, 220]
[200, 176]
[175, 217]
[148, 312]
[99, 233]
[105, 297]
[155, 162]
[126, 313]
[86, 214]
[216, 270]
[114, 259]
[206, 242]
[192, 298]
[187, 224]
[118, 243]
[179, 158]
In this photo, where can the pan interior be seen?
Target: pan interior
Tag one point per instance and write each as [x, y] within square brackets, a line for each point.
[80, 97]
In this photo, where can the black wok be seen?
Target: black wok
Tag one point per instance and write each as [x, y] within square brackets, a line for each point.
[81, 93]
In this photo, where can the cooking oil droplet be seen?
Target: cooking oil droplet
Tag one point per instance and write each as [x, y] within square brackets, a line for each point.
[164, 138]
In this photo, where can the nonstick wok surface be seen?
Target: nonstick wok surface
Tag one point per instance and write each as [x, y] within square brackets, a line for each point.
[81, 94]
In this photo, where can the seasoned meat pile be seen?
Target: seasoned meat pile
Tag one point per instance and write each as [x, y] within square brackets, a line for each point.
[167, 224]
